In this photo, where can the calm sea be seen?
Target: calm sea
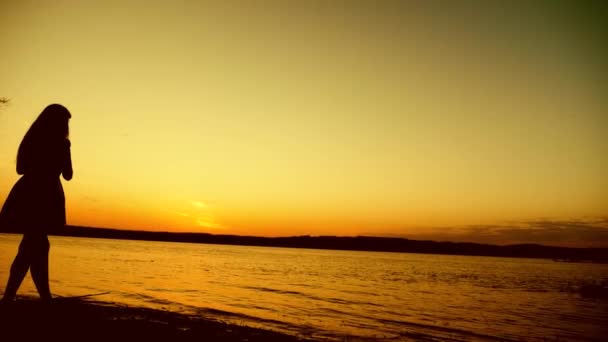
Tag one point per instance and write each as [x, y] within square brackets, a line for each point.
[334, 295]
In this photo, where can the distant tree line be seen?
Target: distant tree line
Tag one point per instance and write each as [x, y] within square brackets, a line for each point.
[356, 243]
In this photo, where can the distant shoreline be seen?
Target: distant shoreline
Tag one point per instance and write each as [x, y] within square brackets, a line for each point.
[358, 243]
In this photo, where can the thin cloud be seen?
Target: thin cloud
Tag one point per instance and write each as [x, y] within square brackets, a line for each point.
[571, 233]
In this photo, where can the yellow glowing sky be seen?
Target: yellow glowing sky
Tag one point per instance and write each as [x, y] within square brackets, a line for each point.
[289, 118]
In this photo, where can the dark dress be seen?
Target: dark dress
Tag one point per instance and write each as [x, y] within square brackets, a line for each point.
[36, 203]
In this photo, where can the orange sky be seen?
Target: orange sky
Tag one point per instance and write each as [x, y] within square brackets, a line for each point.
[356, 117]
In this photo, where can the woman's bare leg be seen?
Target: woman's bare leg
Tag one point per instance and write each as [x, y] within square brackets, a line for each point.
[19, 268]
[39, 267]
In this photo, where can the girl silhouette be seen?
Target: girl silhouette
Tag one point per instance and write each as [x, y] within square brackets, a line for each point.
[36, 204]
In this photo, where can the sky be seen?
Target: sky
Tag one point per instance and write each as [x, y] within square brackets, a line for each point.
[455, 120]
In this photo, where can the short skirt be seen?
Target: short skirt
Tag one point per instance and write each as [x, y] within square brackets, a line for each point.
[35, 204]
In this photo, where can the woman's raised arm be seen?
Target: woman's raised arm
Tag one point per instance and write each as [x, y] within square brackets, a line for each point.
[67, 171]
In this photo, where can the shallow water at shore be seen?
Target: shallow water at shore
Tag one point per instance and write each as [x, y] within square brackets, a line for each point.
[331, 294]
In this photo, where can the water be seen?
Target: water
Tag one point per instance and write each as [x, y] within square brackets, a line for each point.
[334, 295]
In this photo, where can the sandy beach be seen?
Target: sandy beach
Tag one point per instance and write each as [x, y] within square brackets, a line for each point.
[84, 319]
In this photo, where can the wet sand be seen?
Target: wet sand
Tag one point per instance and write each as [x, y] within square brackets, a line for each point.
[77, 319]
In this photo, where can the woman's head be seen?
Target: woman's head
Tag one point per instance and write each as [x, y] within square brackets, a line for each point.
[52, 123]
[47, 132]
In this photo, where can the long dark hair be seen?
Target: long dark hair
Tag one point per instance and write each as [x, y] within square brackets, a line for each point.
[46, 134]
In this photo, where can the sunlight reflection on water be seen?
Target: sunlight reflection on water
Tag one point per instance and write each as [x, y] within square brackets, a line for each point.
[332, 294]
